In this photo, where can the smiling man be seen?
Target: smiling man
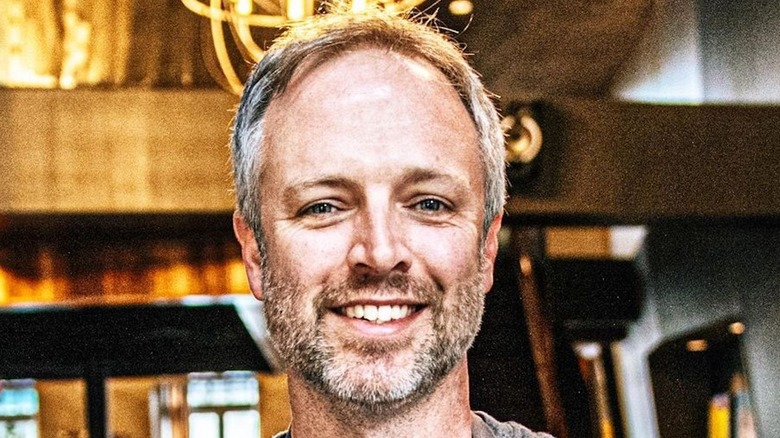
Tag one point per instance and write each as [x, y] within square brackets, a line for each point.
[368, 163]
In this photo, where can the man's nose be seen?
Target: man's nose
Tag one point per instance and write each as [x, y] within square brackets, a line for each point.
[379, 245]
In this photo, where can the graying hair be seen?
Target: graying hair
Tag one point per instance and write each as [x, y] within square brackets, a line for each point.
[325, 37]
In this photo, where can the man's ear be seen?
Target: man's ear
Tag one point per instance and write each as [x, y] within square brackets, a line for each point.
[250, 253]
[490, 252]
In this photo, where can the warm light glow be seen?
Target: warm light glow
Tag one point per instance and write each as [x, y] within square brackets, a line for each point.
[23, 51]
[127, 273]
[4, 286]
[736, 328]
[243, 7]
[696, 345]
[296, 10]
[182, 280]
[67, 82]
[237, 282]
[216, 13]
[76, 40]
[358, 6]
[270, 14]
[461, 7]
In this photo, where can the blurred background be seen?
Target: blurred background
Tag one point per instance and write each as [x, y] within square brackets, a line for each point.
[636, 283]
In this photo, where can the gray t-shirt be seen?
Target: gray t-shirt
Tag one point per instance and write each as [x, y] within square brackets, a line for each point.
[484, 426]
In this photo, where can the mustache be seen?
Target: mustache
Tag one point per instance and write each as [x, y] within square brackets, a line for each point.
[395, 285]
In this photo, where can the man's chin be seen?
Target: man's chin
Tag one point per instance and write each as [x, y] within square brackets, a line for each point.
[375, 401]
[373, 380]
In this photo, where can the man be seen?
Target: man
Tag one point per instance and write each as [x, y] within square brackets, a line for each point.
[368, 163]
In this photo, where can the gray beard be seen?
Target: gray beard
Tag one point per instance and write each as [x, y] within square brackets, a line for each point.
[360, 381]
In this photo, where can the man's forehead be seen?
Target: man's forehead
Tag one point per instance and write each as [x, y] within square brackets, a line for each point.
[363, 98]
[345, 72]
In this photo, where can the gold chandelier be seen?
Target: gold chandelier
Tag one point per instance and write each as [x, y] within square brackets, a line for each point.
[243, 15]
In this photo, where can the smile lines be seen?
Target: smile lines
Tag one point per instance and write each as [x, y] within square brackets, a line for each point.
[378, 314]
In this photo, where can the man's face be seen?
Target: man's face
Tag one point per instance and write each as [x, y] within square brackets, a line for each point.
[372, 204]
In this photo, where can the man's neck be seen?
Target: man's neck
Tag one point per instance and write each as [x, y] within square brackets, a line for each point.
[445, 412]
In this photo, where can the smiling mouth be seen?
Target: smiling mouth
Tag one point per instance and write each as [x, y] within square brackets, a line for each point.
[379, 314]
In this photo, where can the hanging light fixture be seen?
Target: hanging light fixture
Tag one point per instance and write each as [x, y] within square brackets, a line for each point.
[243, 15]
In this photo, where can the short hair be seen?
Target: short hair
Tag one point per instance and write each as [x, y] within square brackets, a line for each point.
[325, 37]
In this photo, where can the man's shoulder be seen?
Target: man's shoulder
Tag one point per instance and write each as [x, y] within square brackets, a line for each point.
[485, 426]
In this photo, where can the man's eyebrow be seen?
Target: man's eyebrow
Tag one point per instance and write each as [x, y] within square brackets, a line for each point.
[302, 184]
[417, 175]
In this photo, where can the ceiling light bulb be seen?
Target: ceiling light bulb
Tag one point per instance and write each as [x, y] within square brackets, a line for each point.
[296, 10]
[461, 7]
[243, 7]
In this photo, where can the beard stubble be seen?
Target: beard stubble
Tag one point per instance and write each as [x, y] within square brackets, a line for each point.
[372, 377]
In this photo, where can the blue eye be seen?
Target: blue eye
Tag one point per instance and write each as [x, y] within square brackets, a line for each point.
[430, 205]
[319, 208]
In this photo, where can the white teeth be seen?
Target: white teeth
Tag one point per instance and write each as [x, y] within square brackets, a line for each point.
[378, 314]
[370, 312]
[384, 313]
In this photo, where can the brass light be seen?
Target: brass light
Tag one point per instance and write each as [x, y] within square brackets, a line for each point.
[243, 15]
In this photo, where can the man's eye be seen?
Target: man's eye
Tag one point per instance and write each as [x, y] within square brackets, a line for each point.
[319, 208]
[430, 205]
